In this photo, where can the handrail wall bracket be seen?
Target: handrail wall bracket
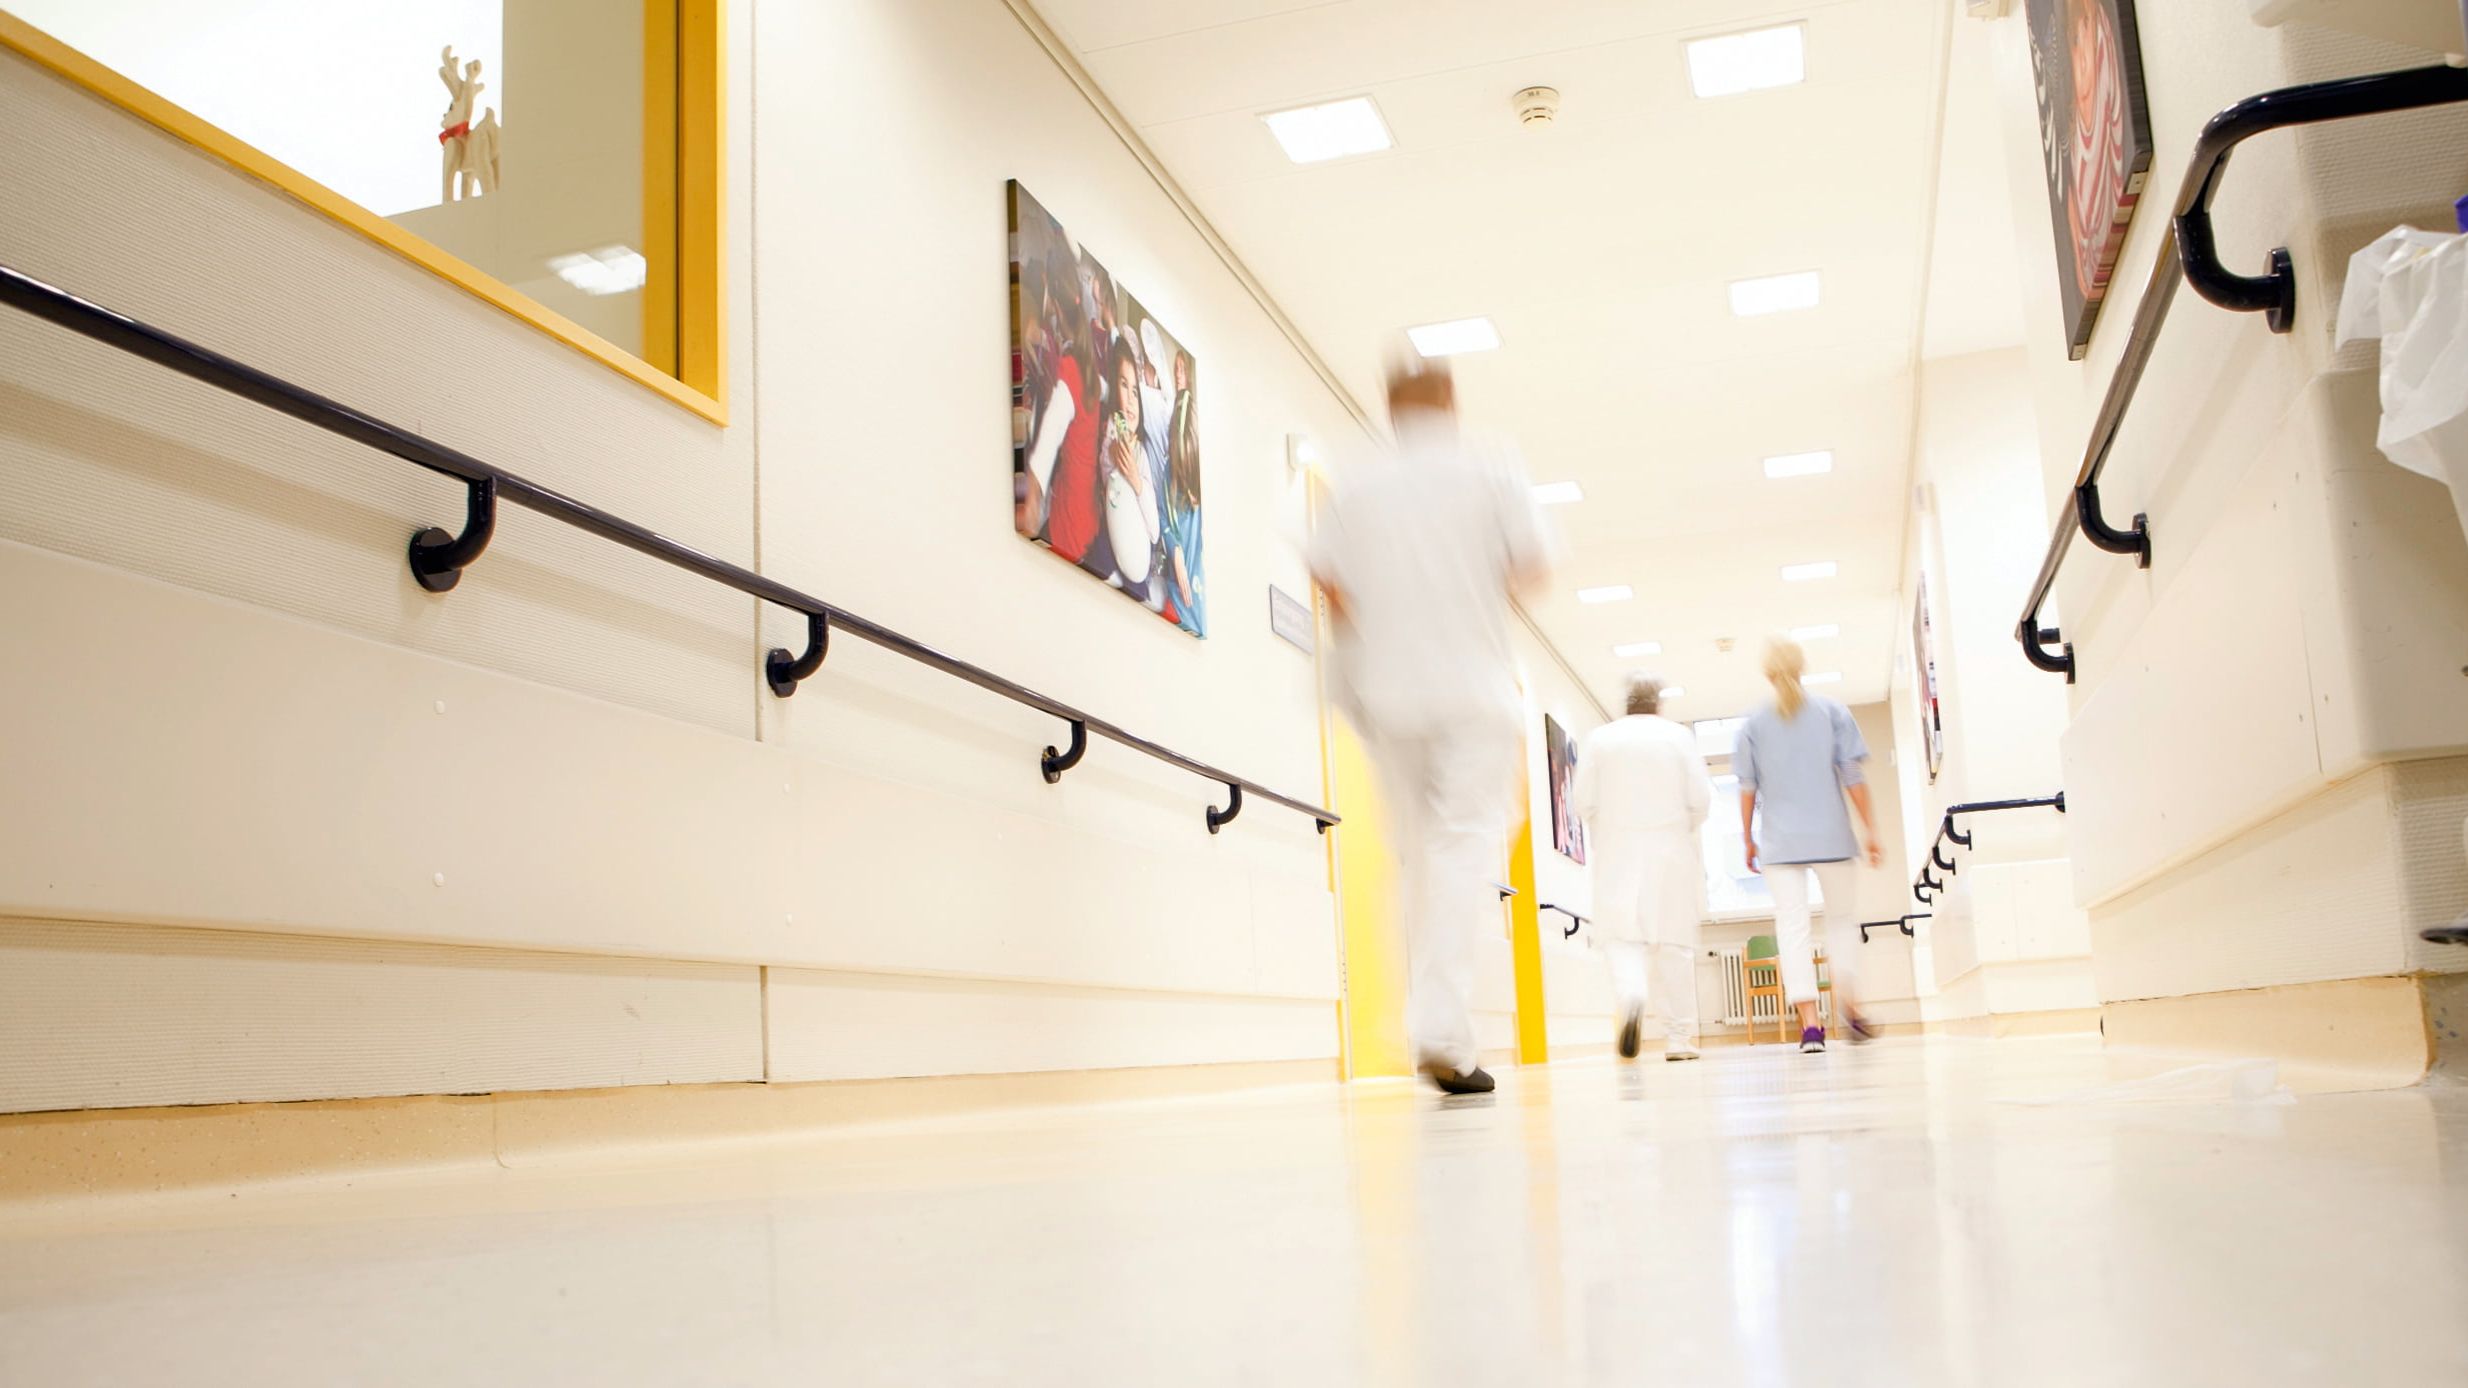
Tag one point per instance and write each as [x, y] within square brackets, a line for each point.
[1217, 818]
[1055, 763]
[784, 671]
[437, 558]
[2135, 541]
[2034, 639]
[2273, 295]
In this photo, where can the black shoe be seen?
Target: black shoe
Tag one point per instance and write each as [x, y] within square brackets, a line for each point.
[1632, 1036]
[1475, 1081]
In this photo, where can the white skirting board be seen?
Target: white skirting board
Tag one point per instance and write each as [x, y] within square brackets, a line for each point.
[115, 1016]
[842, 1026]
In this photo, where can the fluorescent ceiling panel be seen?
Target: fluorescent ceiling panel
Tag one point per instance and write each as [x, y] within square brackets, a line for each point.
[1455, 336]
[1557, 493]
[1803, 573]
[1758, 60]
[1331, 130]
[1800, 464]
[1829, 677]
[1766, 294]
[1635, 649]
[1826, 632]
[1617, 592]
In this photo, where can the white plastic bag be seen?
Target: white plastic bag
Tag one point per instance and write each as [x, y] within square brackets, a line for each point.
[2410, 288]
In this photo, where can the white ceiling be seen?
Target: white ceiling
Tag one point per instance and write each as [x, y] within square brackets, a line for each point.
[1602, 246]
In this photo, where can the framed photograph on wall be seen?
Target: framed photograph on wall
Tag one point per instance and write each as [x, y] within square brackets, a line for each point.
[1567, 835]
[2095, 141]
[1105, 443]
[1924, 683]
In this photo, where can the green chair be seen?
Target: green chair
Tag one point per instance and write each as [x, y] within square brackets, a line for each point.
[1761, 977]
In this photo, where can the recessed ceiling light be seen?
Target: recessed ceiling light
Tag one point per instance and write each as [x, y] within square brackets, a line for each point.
[1635, 649]
[1673, 691]
[1617, 592]
[1826, 632]
[1802, 573]
[1751, 62]
[1829, 677]
[608, 270]
[1331, 130]
[1456, 335]
[1800, 464]
[1775, 293]
[1557, 493]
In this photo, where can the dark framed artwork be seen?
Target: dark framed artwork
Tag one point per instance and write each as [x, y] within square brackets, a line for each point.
[1567, 835]
[1924, 682]
[1105, 442]
[2095, 141]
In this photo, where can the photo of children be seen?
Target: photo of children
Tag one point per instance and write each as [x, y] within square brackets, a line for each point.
[1560, 760]
[1105, 461]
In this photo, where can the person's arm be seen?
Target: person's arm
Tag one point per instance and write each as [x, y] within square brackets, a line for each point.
[1868, 823]
[1700, 791]
[1850, 752]
[1584, 796]
[1526, 535]
[1744, 766]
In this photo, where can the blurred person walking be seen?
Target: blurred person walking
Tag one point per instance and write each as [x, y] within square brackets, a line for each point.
[1798, 759]
[1420, 553]
[1643, 794]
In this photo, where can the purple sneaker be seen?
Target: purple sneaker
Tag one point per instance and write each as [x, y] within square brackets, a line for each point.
[1812, 1040]
[1857, 1031]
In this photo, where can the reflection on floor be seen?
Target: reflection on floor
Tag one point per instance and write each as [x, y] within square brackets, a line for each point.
[1882, 1216]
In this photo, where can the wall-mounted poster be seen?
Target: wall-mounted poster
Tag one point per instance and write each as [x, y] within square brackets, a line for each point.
[2095, 138]
[1105, 447]
[1567, 835]
[1924, 683]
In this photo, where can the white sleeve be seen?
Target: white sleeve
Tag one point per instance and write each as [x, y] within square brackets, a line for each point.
[1525, 536]
[1585, 796]
[1700, 788]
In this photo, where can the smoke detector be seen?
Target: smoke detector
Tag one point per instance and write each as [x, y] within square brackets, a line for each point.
[1723, 644]
[1537, 105]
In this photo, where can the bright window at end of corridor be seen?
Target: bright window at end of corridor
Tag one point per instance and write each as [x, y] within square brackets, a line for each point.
[558, 158]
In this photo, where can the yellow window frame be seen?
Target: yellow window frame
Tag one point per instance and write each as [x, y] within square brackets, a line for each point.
[684, 119]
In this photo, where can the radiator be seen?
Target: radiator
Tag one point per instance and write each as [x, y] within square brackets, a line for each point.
[1731, 967]
[1734, 986]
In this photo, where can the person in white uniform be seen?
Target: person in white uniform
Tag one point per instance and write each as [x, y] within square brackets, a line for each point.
[1798, 759]
[1643, 794]
[1419, 553]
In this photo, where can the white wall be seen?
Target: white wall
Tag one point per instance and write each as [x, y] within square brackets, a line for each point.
[2303, 621]
[1576, 987]
[1976, 544]
[574, 751]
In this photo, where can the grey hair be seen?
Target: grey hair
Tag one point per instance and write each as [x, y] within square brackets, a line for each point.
[1644, 694]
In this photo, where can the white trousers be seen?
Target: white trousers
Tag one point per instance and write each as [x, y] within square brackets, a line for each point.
[1447, 806]
[1841, 881]
[1663, 977]
[1649, 905]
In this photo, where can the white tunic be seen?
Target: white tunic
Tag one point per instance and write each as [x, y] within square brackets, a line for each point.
[1643, 792]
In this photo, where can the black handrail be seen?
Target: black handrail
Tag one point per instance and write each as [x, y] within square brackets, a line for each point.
[1575, 921]
[437, 559]
[1901, 923]
[2189, 254]
[1926, 886]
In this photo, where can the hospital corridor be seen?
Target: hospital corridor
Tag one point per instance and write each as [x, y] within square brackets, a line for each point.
[1402, 692]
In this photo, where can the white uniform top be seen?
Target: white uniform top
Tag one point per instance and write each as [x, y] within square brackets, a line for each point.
[1423, 545]
[1642, 773]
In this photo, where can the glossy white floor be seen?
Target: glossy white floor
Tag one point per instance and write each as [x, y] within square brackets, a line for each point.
[1883, 1216]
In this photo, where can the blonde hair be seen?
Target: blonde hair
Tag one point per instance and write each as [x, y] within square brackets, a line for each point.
[1784, 663]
